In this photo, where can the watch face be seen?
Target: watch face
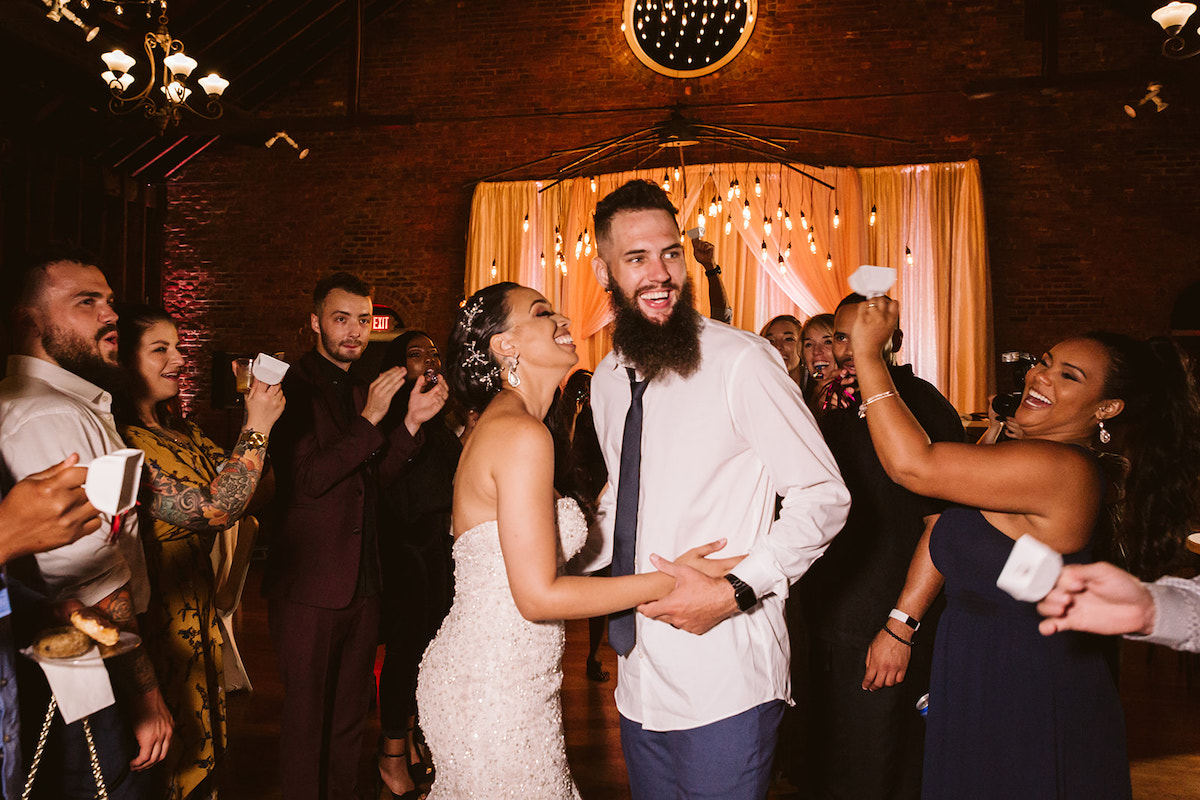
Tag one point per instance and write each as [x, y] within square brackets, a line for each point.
[688, 38]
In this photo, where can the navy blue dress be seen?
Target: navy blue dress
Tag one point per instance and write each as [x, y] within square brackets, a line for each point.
[1012, 713]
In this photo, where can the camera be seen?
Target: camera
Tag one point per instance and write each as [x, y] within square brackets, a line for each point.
[1005, 405]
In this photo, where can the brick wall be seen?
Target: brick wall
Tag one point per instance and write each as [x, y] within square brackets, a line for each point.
[1092, 216]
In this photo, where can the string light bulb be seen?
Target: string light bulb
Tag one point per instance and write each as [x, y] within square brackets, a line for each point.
[787, 220]
[666, 183]
[542, 260]
[677, 173]
[700, 221]
[525, 224]
[728, 224]
[730, 193]
[908, 256]
[579, 247]
[767, 225]
[765, 254]
[836, 218]
[787, 253]
[803, 220]
[779, 212]
[812, 248]
[712, 208]
[872, 216]
[829, 261]
[493, 269]
[782, 265]
[746, 211]
[757, 188]
[737, 188]
[593, 185]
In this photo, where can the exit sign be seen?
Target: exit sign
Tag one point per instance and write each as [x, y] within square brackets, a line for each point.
[381, 322]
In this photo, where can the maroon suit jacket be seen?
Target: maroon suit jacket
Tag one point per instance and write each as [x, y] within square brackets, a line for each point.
[320, 454]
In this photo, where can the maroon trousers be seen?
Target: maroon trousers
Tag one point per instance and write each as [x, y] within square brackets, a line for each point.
[325, 662]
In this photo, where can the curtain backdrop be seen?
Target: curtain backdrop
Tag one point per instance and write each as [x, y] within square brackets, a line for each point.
[541, 235]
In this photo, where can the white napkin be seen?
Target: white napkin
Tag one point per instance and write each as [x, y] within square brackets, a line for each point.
[80, 689]
[872, 281]
[1031, 570]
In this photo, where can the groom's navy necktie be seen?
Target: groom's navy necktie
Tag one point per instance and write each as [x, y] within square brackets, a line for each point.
[621, 633]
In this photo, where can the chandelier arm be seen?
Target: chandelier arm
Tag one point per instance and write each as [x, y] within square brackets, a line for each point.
[609, 145]
[803, 129]
[565, 174]
[780, 161]
[743, 134]
[1175, 47]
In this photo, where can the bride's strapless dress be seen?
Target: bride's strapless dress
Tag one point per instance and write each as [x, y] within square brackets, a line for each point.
[489, 683]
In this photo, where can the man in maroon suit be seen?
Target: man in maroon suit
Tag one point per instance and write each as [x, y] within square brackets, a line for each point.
[323, 577]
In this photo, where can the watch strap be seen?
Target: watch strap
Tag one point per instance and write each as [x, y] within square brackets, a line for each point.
[743, 593]
[904, 619]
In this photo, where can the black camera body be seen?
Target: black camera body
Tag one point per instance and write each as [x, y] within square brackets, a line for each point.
[1005, 405]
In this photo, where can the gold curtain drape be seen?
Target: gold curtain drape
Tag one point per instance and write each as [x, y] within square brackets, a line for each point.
[933, 210]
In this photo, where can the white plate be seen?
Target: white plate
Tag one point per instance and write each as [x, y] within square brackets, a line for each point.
[127, 641]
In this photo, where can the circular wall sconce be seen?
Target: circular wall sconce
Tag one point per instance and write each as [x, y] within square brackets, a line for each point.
[688, 38]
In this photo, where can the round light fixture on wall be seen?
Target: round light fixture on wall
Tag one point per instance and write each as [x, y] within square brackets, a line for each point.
[688, 38]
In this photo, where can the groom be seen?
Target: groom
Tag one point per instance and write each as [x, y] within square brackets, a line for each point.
[701, 428]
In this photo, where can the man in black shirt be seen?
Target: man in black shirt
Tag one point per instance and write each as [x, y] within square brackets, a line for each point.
[865, 599]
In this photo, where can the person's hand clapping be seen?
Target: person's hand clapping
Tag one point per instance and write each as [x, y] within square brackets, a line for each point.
[381, 392]
[422, 404]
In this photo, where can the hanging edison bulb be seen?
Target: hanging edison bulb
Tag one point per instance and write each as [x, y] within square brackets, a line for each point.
[579, 247]
[493, 269]
[829, 261]
[803, 220]
[746, 212]
[765, 254]
[587, 238]
[700, 221]
[525, 224]
[757, 187]
[562, 266]
[872, 216]
[720, 206]
[542, 260]
[812, 248]
[908, 256]
[787, 220]
[593, 184]
[811, 238]
[666, 183]
[779, 212]
[677, 174]
[737, 188]
[767, 225]
[730, 193]
[787, 253]
[836, 218]
[782, 266]
[728, 224]
[712, 208]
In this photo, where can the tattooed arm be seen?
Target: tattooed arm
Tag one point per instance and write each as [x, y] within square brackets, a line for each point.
[148, 713]
[214, 506]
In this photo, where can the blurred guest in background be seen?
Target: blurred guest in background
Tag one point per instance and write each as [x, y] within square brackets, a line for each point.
[192, 491]
[415, 564]
[816, 350]
[783, 332]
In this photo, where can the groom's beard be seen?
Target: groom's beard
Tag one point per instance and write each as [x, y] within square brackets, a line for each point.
[673, 346]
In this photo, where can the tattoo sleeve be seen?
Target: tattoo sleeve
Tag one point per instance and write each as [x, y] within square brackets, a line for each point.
[214, 506]
[137, 669]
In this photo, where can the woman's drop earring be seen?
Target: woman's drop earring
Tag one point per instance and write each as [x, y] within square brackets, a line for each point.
[514, 380]
[1105, 436]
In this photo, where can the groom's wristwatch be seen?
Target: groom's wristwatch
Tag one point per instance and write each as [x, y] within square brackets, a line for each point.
[743, 594]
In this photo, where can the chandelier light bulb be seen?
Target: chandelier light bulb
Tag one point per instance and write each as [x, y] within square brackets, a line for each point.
[746, 211]
[712, 208]
[803, 220]
[757, 188]
[872, 222]
[787, 253]
[737, 189]
[579, 247]
[782, 266]
[493, 269]
[765, 254]
[180, 65]
[593, 185]
[666, 183]
[767, 225]
[812, 248]
[787, 220]
[542, 260]
[677, 173]
[829, 261]
[728, 225]
[836, 218]
[213, 84]
[525, 224]
[908, 257]
[729, 195]
[700, 221]
[779, 212]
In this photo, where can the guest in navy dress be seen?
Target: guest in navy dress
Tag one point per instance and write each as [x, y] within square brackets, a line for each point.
[1012, 713]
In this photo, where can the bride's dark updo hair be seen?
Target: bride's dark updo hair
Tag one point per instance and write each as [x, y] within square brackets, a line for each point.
[473, 373]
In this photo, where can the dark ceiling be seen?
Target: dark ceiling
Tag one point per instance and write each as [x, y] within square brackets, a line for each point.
[263, 47]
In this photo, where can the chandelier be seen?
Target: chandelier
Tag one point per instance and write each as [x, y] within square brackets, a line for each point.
[1173, 17]
[166, 105]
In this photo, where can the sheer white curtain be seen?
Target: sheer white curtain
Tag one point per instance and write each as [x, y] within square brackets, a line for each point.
[934, 211]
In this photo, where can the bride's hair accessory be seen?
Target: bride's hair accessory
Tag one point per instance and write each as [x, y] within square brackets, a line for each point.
[473, 372]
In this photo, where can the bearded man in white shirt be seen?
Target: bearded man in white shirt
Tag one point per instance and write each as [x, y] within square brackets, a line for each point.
[55, 401]
[705, 429]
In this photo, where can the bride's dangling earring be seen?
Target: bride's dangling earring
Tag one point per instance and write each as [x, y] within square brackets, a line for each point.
[1105, 436]
[514, 380]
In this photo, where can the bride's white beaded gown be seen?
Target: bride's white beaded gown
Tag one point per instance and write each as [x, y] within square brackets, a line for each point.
[489, 683]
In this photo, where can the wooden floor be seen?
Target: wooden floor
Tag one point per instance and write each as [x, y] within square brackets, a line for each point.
[1162, 714]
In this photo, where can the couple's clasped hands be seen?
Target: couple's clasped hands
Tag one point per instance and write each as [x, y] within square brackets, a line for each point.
[701, 597]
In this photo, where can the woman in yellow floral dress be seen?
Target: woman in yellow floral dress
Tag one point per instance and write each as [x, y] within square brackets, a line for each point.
[192, 491]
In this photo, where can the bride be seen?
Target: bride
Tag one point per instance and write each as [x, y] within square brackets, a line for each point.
[488, 688]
